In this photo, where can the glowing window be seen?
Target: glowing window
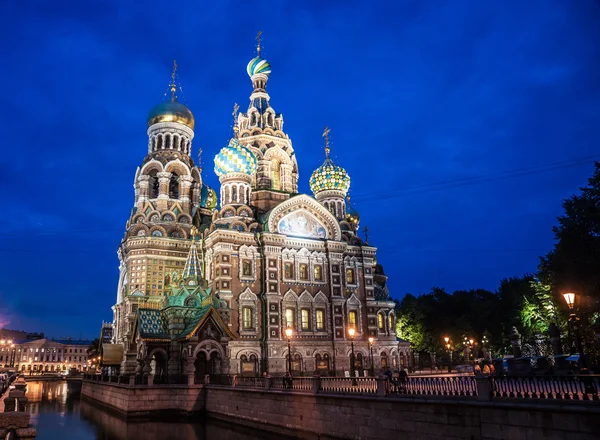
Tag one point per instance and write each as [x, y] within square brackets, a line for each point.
[320, 318]
[350, 276]
[305, 316]
[288, 269]
[352, 318]
[290, 315]
[318, 273]
[247, 268]
[247, 317]
[303, 272]
[380, 321]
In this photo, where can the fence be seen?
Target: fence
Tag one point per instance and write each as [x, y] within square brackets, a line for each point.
[568, 388]
[582, 387]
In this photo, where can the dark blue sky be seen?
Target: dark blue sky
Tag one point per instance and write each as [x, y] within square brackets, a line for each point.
[432, 106]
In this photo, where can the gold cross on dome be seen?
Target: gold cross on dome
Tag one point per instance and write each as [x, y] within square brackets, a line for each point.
[366, 232]
[258, 34]
[173, 84]
[326, 137]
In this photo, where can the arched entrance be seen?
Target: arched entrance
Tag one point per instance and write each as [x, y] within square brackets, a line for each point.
[322, 364]
[158, 364]
[207, 361]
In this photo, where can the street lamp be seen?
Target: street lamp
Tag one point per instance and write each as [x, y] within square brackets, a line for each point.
[447, 341]
[371, 340]
[351, 332]
[288, 333]
[574, 321]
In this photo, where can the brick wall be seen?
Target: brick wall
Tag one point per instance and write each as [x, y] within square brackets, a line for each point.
[135, 402]
[376, 418]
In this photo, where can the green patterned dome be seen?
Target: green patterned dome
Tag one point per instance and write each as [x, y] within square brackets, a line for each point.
[329, 176]
[235, 158]
[258, 65]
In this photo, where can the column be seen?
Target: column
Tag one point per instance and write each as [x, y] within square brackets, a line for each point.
[163, 190]
[142, 195]
[185, 185]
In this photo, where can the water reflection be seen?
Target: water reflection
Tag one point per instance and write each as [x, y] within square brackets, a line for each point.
[58, 413]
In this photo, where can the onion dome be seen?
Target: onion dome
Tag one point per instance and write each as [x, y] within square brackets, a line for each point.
[235, 158]
[258, 65]
[171, 111]
[329, 176]
[352, 215]
[208, 197]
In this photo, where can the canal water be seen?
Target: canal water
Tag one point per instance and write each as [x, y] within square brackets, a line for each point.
[60, 414]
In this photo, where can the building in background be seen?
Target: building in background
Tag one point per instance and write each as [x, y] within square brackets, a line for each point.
[47, 356]
[213, 289]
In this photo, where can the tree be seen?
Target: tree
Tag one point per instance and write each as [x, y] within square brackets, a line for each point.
[574, 263]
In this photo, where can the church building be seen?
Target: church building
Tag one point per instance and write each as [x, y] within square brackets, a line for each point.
[226, 281]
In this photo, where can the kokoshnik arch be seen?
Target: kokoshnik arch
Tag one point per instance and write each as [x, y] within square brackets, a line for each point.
[211, 289]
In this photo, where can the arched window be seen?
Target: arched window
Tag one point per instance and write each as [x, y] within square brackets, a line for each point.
[168, 141]
[153, 184]
[174, 186]
[247, 318]
[275, 174]
[157, 233]
[246, 268]
[318, 273]
[391, 322]
[380, 323]
[234, 194]
[384, 360]
[303, 272]
[350, 276]
[288, 270]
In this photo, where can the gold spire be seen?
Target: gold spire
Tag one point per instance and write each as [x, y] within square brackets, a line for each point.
[236, 107]
[173, 85]
[326, 137]
[258, 34]
[193, 232]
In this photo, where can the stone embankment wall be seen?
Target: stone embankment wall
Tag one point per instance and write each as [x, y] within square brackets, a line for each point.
[358, 417]
[144, 401]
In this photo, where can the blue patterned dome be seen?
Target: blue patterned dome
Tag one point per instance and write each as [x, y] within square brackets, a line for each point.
[235, 158]
[329, 176]
[208, 197]
[258, 65]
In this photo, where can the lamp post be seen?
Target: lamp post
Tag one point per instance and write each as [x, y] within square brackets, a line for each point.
[447, 341]
[351, 332]
[371, 340]
[574, 321]
[12, 355]
[288, 333]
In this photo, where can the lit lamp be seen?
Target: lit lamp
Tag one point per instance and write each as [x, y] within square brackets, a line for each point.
[569, 299]
[574, 321]
[371, 340]
[289, 332]
[351, 333]
[447, 341]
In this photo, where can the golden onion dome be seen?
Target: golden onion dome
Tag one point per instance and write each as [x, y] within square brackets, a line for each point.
[171, 111]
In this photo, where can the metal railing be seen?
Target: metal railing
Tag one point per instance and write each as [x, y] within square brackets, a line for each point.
[360, 385]
[581, 387]
[434, 386]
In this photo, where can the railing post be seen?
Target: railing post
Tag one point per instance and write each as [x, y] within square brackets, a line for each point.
[234, 381]
[207, 379]
[381, 381]
[484, 387]
[316, 384]
[131, 380]
[150, 380]
[268, 382]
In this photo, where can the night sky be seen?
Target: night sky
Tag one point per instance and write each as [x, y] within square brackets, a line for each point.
[462, 125]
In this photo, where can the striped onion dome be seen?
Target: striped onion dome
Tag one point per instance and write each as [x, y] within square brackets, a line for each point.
[235, 158]
[258, 65]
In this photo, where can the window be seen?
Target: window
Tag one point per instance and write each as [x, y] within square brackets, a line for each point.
[320, 315]
[380, 321]
[246, 268]
[391, 322]
[318, 273]
[288, 270]
[303, 272]
[350, 276]
[305, 316]
[352, 318]
[174, 186]
[290, 315]
[247, 318]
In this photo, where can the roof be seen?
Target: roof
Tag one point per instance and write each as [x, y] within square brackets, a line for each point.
[50, 342]
[151, 324]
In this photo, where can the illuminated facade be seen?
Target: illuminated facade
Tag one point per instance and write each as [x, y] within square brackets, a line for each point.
[207, 289]
[46, 356]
